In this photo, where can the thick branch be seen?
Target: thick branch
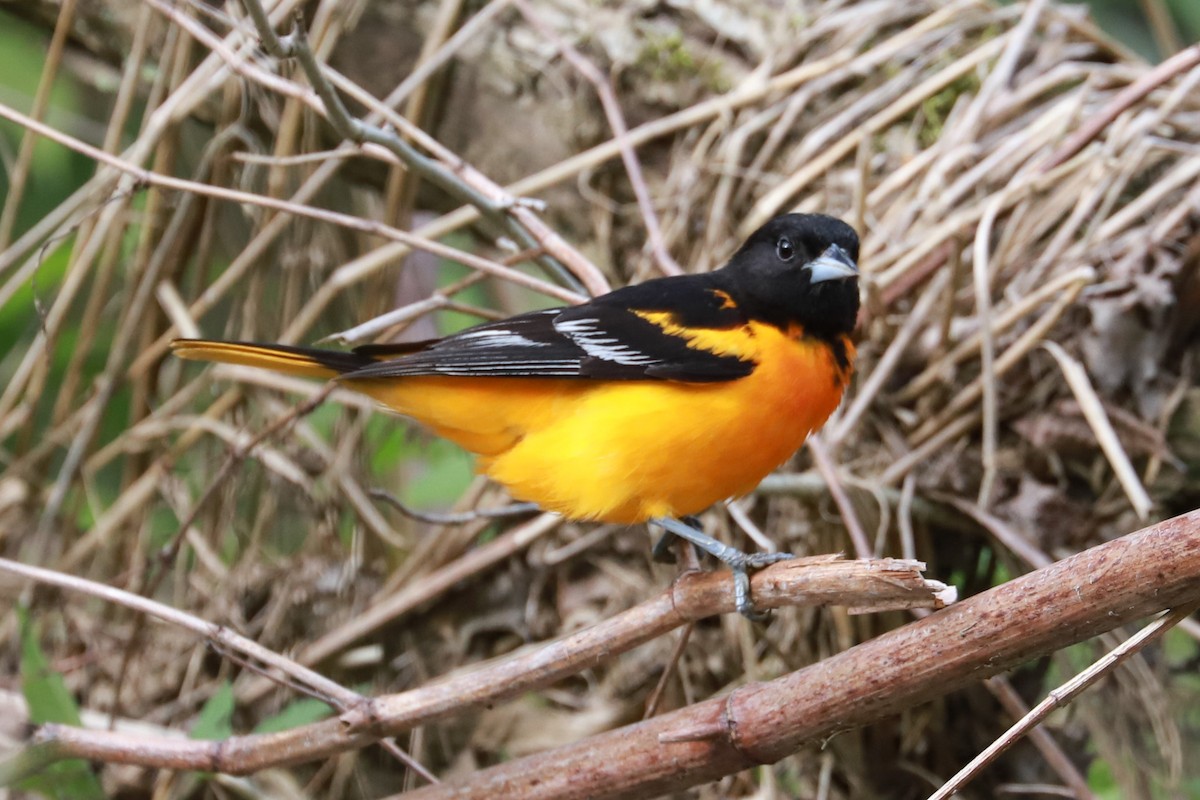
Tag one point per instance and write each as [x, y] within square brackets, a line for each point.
[1059, 605]
[873, 585]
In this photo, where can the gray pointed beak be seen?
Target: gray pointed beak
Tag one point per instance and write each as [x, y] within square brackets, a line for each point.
[835, 264]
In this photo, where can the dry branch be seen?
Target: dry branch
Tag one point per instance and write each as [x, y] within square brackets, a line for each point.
[861, 585]
[1072, 600]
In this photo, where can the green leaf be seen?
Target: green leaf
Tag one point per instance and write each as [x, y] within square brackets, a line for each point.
[216, 718]
[45, 690]
[1100, 780]
[49, 701]
[303, 711]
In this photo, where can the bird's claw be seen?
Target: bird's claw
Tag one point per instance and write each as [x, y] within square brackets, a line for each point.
[741, 565]
[750, 561]
[739, 562]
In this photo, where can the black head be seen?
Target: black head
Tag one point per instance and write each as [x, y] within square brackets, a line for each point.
[799, 268]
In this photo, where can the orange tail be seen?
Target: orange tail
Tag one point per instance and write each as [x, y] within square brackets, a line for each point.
[307, 362]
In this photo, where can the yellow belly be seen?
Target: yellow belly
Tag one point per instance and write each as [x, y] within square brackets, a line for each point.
[625, 451]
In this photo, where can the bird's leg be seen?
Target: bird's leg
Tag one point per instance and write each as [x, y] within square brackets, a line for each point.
[739, 563]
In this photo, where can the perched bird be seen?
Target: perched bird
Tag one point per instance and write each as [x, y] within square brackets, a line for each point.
[647, 404]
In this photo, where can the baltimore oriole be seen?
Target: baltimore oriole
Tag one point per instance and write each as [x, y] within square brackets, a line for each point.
[647, 404]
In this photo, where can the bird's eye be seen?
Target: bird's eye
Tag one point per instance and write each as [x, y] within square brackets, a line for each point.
[784, 249]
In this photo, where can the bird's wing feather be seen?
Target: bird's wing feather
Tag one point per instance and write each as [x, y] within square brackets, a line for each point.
[606, 339]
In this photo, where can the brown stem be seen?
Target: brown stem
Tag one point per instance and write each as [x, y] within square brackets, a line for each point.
[884, 583]
[1059, 605]
[1177, 64]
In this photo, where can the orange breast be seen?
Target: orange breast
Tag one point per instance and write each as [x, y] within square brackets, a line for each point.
[625, 451]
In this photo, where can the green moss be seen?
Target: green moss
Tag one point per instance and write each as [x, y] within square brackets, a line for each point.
[666, 59]
[936, 108]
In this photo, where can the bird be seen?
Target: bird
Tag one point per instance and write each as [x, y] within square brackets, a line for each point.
[647, 404]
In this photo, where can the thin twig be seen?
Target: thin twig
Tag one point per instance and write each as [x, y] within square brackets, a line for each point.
[1181, 62]
[221, 637]
[18, 171]
[1058, 760]
[218, 634]
[616, 121]
[1110, 443]
[987, 351]
[460, 518]
[685, 633]
[372, 227]
[824, 464]
[168, 554]
[362, 132]
[415, 593]
[1063, 695]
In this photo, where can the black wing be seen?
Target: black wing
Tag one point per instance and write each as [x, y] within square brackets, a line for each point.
[604, 339]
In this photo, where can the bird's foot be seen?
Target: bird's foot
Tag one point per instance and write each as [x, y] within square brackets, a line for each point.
[739, 562]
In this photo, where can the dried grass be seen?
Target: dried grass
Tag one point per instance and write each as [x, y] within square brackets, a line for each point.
[1026, 371]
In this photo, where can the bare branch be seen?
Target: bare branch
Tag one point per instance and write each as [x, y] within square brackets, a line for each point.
[1067, 602]
[863, 585]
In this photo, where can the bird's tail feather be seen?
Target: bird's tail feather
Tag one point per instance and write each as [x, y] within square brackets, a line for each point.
[306, 362]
